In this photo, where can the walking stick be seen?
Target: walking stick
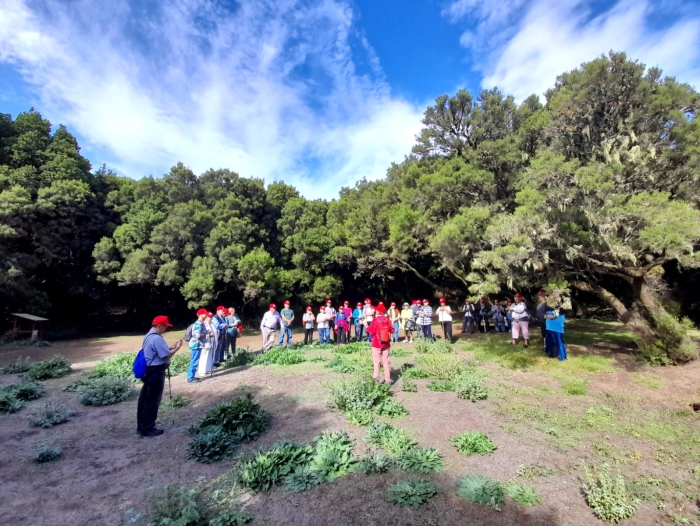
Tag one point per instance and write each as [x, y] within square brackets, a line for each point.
[170, 393]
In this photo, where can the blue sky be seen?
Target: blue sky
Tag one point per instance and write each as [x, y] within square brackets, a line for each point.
[318, 93]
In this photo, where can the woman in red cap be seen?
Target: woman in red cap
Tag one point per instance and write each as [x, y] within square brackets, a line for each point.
[381, 330]
[521, 320]
[395, 318]
[198, 337]
[358, 319]
[368, 313]
[445, 318]
[308, 321]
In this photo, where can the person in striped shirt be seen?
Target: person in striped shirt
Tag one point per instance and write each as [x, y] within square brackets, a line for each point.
[425, 320]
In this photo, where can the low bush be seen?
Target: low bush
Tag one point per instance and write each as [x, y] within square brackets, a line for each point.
[360, 394]
[54, 367]
[118, 365]
[180, 362]
[424, 346]
[388, 437]
[333, 457]
[20, 366]
[212, 444]
[441, 366]
[280, 356]
[177, 402]
[9, 403]
[420, 460]
[74, 386]
[179, 506]
[408, 385]
[269, 467]
[52, 415]
[411, 493]
[375, 464]
[399, 353]
[441, 385]
[105, 391]
[352, 348]
[469, 385]
[473, 443]
[523, 495]
[341, 365]
[239, 359]
[392, 409]
[47, 454]
[360, 417]
[24, 391]
[415, 373]
[481, 490]
[607, 495]
[319, 359]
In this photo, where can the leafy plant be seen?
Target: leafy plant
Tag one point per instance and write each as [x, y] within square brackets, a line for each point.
[441, 366]
[392, 409]
[319, 359]
[47, 453]
[408, 385]
[481, 490]
[9, 403]
[469, 385]
[239, 359]
[524, 495]
[180, 506]
[424, 346]
[399, 353]
[607, 495]
[105, 391]
[52, 415]
[360, 417]
[280, 356]
[20, 366]
[351, 348]
[441, 385]
[177, 402]
[473, 443]
[301, 478]
[415, 373]
[179, 363]
[269, 467]
[334, 457]
[354, 395]
[374, 464]
[74, 386]
[54, 367]
[119, 365]
[341, 365]
[411, 493]
[420, 460]
[24, 391]
[231, 517]
[212, 444]
[388, 437]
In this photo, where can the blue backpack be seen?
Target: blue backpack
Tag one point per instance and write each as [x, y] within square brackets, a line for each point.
[140, 363]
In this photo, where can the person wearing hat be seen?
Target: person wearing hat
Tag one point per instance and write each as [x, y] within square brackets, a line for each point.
[271, 321]
[196, 344]
[425, 320]
[368, 312]
[233, 328]
[499, 316]
[348, 314]
[381, 330]
[540, 312]
[210, 347]
[555, 318]
[219, 323]
[287, 316]
[395, 318]
[468, 316]
[521, 320]
[308, 321]
[358, 319]
[322, 326]
[445, 318]
[158, 355]
[331, 312]
[483, 312]
[415, 307]
[407, 322]
[342, 326]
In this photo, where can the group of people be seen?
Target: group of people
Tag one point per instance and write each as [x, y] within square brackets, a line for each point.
[210, 338]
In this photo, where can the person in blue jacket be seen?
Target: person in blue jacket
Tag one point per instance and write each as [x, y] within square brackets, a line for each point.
[554, 338]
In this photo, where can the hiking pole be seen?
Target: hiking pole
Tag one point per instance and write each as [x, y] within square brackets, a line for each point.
[170, 392]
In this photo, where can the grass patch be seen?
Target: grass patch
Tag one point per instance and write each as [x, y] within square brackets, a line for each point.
[652, 381]
[280, 356]
[441, 366]
[575, 387]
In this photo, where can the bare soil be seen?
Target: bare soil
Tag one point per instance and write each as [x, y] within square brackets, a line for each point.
[107, 468]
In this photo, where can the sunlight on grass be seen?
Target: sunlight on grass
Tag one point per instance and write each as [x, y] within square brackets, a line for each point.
[653, 381]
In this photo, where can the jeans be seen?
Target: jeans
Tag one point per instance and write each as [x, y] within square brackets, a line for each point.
[359, 331]
[427, 332]
[447, 327]
[341, 335]
[150, 397]
[395, 336]
[220, 355]
[324, 335]
[288, 332]
[194, 362]
[231, 342]
[499, 325]
[468, 322]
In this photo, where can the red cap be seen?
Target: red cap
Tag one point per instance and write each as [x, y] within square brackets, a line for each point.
[308, 308]
[426, 301]
[542, 293]
[359, 304]
[161, 320]
[286, 302]
[328, 301]
[273, 306]
[442, 300]
[210, 314]
[202, 311]
[220, 308]
[393, 304]
[346, 302]
[367, 300]
[518, 295]
[380, 308]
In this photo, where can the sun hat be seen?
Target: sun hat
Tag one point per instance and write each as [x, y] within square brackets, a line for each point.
[161, 320]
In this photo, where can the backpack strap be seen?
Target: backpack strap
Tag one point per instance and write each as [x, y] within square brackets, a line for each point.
[143, 346]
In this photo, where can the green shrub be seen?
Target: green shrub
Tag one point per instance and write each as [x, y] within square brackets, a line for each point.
[360, 417]
[481, 490]
[105, 391]
[9, 403]
[524, 495]
[350, 348]
[47, 454]
[441, 366]
[319, 359]
[415, 373]
[441, 385]
[392, 409]
[473, 443]
[212, 444]
[470, 386]
[411, 493]
[177, 402]
[333, 457]
[607, 495]
[399, 353]
[24, 391]
[408, 385]
[374, 464]
[424, 346]
[420, 460]
[118, 365]
[180, 362]
[18, 367]
[52, 415]
[341, 365]
[280, 356]
[54, 367]
[575, 387]
[231, 517]
[269, 467]
[239, 359]
[354, 395]
[388, 437]
[74, 386]
[179, 506]
[301, 478]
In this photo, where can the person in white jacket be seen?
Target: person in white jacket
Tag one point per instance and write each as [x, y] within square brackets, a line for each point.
[444, 313]
[206, 360]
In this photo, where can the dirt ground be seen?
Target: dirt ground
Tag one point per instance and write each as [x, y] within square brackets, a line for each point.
[107, 468]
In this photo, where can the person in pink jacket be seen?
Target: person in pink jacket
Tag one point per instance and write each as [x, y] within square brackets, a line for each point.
[380, 331]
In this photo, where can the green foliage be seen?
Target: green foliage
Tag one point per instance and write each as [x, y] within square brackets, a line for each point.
[399, 353]
[360, 394]
[177, 402]
[441, 385]
[408, 385]
[391, 408]
[280, 356]
[424, 346]
[54, 367]
[481, 490]
[473, 443]
[375, 464]
[607, 495]
[415, 373]
[212, 444]
[575, 387]
[360, 417]
[341, 365]
[24, 391]
[388, 437]
[9, 403]
[74, 386]
[52, 415]
[524, 495]
[350, 348]
[411, 493]
[105, 391]
[469, 385]
[333, 456]
[441, 366]
[420, 460]
[180, 506]
[118, 365]
[47, 453]
[20, 366]
[269, 467]
[301, 478]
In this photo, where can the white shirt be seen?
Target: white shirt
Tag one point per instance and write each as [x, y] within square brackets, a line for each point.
[520, 311]
[444, 315]
[321, 321]
[308, 320]
[270, 320]
[369, 314]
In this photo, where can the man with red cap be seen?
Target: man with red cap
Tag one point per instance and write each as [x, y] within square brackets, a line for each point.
[358, 319]
[368, 312]
[158, 355]
[425, 320]
[270, 323]
[197, 339]
[445, 318]
[308, 321]
[287, 316]
[219, 322]
[381, 330]
[331, 312]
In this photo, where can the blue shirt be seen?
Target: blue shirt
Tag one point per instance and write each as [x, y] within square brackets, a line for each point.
[557, 324]
[356, 315]
[155, 349]
[199, 336]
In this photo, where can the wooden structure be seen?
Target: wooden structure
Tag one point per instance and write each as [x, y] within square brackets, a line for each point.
[21, 326]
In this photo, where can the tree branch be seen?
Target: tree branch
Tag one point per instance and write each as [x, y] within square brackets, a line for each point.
[605, 295]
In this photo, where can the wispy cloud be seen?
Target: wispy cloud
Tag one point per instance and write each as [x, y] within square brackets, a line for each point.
[522, 45]
[269, 88]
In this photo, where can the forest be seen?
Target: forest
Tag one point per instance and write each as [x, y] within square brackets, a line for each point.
[592, 192]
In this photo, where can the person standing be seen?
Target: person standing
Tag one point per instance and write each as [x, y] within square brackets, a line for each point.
[308, 321]
[394, 318]
[322, 326]
[499, 316]
[407, 322]
[425, 320]
[509, 314]
[342, 326]
[233, 327]
[381, 330]
[287, 316]
[368, 312]
[219, 323]
[209, 349]
[482, 315]
[415, 307]
[196, 343]
[158, 355]
[330, 314]
[521, 320]
[540, 311]
[555, 318]
[270, 323]
[468, 316]
[445, 318]
[358, 319]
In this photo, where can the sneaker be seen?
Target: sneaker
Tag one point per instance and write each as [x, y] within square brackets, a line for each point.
[155, 432]
[195, 381]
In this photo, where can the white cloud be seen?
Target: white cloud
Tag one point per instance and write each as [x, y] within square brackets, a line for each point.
[269, 89]
[521, 46]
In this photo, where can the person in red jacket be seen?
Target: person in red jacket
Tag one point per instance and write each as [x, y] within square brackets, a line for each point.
[381, 330]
